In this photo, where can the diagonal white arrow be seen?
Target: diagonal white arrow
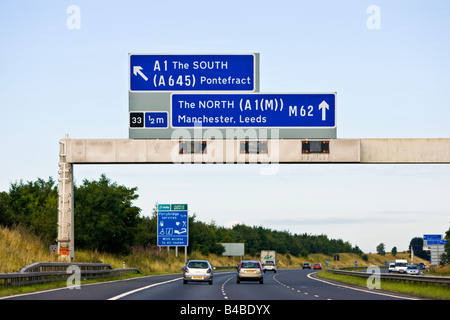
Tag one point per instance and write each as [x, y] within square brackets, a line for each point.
[324, 107]
[137, 70]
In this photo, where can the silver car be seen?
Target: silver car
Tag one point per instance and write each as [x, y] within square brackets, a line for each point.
[198, 270]
[250, 270]
[412, 269]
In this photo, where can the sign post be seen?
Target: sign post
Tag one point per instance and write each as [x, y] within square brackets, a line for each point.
[436, 245]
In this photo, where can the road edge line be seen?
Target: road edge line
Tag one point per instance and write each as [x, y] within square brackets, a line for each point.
[143, 288]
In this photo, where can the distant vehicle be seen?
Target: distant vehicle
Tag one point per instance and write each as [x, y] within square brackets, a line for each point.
[306, 265]
[412, 269]
[269, 265]
[422, 266]
[401, 265]
[198, 270]
[391, 267]
[269, 260]
[250, 270]
[317, 266]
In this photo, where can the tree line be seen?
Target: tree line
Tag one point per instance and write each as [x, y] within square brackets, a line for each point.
[107, 220]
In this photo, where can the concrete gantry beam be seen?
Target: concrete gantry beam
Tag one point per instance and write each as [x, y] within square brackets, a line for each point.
[405, 151]
[86, 151]
[91, 151]
[154, 151]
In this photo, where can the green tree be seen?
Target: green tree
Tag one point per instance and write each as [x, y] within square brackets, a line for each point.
[5, 216]
[381, 249]
[357, 250]
[105, 218]
[417, 245]
[394, 251]
[202, 237]
[447, 245]
[34, 205]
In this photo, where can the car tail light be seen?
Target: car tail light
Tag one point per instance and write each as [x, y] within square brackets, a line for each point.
[208, 271]
[186, 270]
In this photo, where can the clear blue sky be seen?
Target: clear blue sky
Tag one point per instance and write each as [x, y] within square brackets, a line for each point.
[392, 82]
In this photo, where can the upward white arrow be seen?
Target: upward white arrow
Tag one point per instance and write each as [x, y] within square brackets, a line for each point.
[137, 70]
[324, 107]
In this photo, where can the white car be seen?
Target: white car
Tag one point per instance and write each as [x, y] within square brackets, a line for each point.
[391, 267]
[269, 265]
[198, 270]
[412, 269]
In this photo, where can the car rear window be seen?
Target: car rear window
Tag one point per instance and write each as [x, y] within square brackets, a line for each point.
[198, 265]
[247, 265]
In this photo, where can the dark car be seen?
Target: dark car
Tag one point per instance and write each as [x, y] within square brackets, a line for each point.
[307, 265]
[317, 266]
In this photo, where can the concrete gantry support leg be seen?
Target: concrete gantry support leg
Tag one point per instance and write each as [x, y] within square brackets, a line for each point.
[65, 206]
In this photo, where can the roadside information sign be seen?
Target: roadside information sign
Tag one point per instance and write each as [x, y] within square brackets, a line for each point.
[172, 223]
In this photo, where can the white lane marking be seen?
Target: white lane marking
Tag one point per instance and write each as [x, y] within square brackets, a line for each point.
[223, 287]
[143, 288]
[359, 289]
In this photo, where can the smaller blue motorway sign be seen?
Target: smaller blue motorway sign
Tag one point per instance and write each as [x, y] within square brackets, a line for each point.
[172, 226]
[192, 72]
[436, 242]
[149, 119]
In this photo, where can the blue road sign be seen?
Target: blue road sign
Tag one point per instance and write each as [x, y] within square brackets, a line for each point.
[156, 120]
[255, 110]
[436, 242]
[149, 119]
[189, 72]
[432, 237]
[172, 228]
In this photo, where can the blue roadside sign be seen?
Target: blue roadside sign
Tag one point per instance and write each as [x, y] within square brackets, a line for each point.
[173, 225]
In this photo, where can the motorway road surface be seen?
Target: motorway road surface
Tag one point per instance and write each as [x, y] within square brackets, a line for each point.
[295, 284]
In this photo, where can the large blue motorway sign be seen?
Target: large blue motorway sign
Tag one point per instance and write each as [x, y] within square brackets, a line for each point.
[172, 226]
[188, 72]
[256, 110]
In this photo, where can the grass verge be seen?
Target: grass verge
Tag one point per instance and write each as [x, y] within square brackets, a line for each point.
[431, 290]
